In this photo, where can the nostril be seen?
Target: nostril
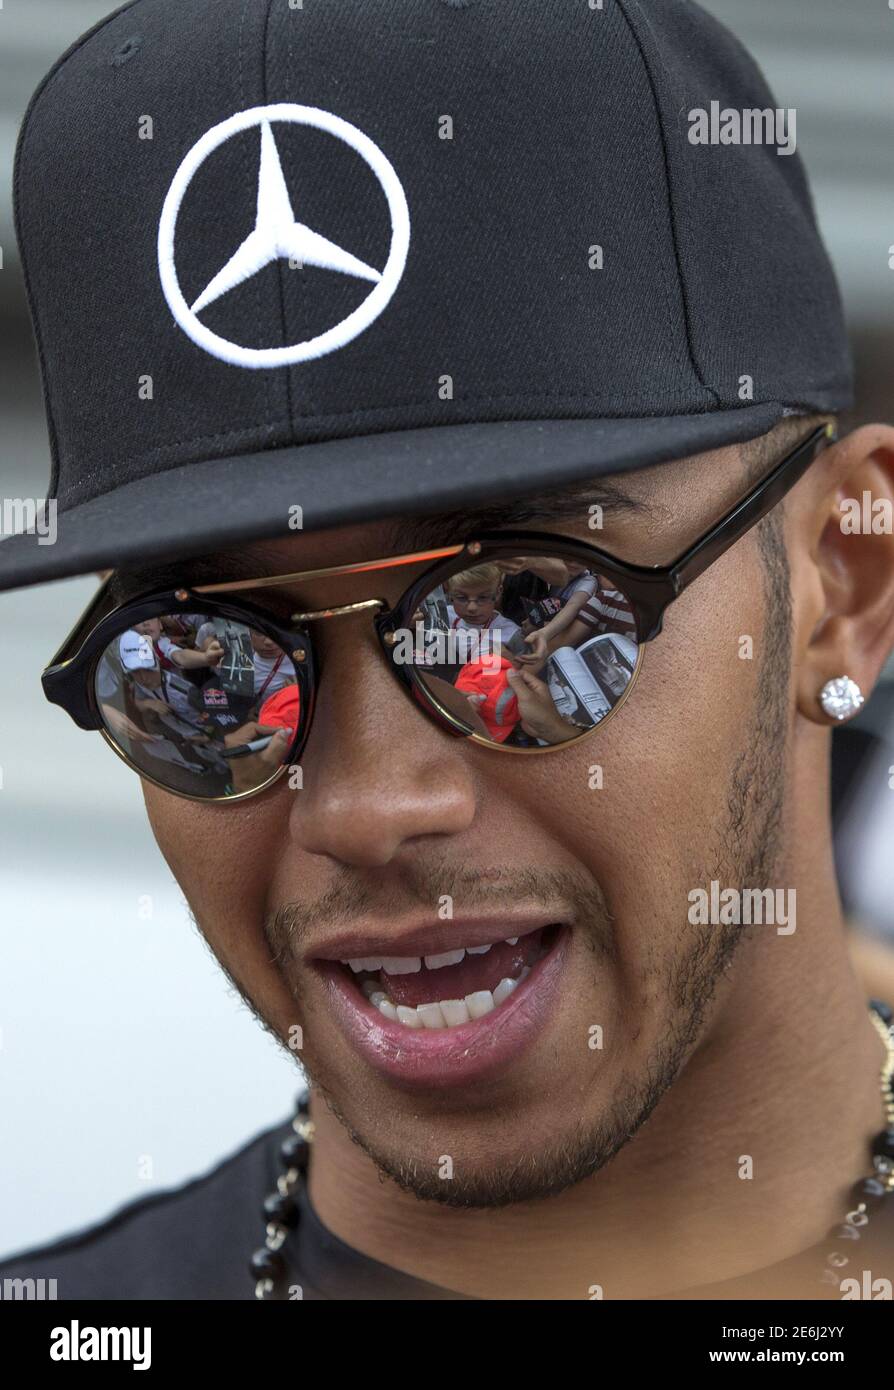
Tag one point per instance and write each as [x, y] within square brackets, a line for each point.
[125, 51]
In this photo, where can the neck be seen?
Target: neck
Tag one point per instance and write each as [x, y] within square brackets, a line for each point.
[786, 1074]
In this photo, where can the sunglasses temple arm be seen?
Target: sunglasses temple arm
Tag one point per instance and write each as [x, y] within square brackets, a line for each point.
[745, 514]
[98, 608]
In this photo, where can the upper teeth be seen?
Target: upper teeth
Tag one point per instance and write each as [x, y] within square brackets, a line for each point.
[409, 965]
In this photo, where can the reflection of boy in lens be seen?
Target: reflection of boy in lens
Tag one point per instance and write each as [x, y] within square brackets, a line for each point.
[264, 646]
[158, 687]
[153, 701]
[273, 670]
[473, 597]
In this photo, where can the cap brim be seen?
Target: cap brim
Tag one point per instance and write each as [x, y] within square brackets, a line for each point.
[215, 504]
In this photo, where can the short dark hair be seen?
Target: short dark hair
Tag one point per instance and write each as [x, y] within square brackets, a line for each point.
[758, 454]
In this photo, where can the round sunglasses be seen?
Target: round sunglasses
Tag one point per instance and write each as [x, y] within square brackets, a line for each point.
[521, 642]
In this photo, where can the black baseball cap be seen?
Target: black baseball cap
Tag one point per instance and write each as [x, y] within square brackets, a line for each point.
[371, 259]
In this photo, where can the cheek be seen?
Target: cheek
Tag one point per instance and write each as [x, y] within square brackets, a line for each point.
[223, 857]
[643, 803]
[672, 753]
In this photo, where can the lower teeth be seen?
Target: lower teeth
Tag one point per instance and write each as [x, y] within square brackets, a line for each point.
[444, 1013]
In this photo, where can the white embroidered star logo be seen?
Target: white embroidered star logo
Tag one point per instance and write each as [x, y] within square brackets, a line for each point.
[278, 235]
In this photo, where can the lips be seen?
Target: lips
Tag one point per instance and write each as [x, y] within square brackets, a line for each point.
[437, 1035]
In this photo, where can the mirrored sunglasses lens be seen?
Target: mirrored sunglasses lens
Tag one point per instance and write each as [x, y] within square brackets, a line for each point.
[206, 706]
[524, 652]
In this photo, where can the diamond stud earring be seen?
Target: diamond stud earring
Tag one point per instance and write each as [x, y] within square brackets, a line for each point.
[841, 698]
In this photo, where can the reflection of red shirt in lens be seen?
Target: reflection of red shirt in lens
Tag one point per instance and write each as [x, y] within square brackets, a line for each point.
[499, 708]
[281, 710]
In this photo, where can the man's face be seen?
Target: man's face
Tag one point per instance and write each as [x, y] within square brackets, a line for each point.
[400, 829]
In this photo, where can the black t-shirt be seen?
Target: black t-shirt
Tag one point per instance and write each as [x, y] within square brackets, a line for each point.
[196, 1242]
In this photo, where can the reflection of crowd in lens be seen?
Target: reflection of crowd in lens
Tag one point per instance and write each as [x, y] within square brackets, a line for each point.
[548, 649]
[213, 701]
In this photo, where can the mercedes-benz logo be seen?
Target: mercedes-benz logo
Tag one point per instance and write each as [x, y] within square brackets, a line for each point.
[277, 234]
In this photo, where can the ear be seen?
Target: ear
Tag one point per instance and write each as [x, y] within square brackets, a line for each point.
[848, 622]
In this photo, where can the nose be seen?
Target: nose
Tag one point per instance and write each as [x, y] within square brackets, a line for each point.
[377, 774]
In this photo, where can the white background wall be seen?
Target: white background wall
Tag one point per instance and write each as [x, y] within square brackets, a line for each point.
[119, 1037]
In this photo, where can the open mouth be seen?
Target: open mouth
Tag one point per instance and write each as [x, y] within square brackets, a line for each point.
[464, 1015]
[452, 988]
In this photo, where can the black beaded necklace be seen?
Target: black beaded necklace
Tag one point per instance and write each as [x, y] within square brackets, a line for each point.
[282, 1213]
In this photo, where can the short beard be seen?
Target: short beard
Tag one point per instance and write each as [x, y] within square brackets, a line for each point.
[747, 854]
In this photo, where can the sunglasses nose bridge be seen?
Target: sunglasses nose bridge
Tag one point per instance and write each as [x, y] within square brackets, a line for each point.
[340, 610]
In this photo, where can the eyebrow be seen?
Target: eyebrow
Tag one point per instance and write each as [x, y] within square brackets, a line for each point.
[551, 508]
[405, 535]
